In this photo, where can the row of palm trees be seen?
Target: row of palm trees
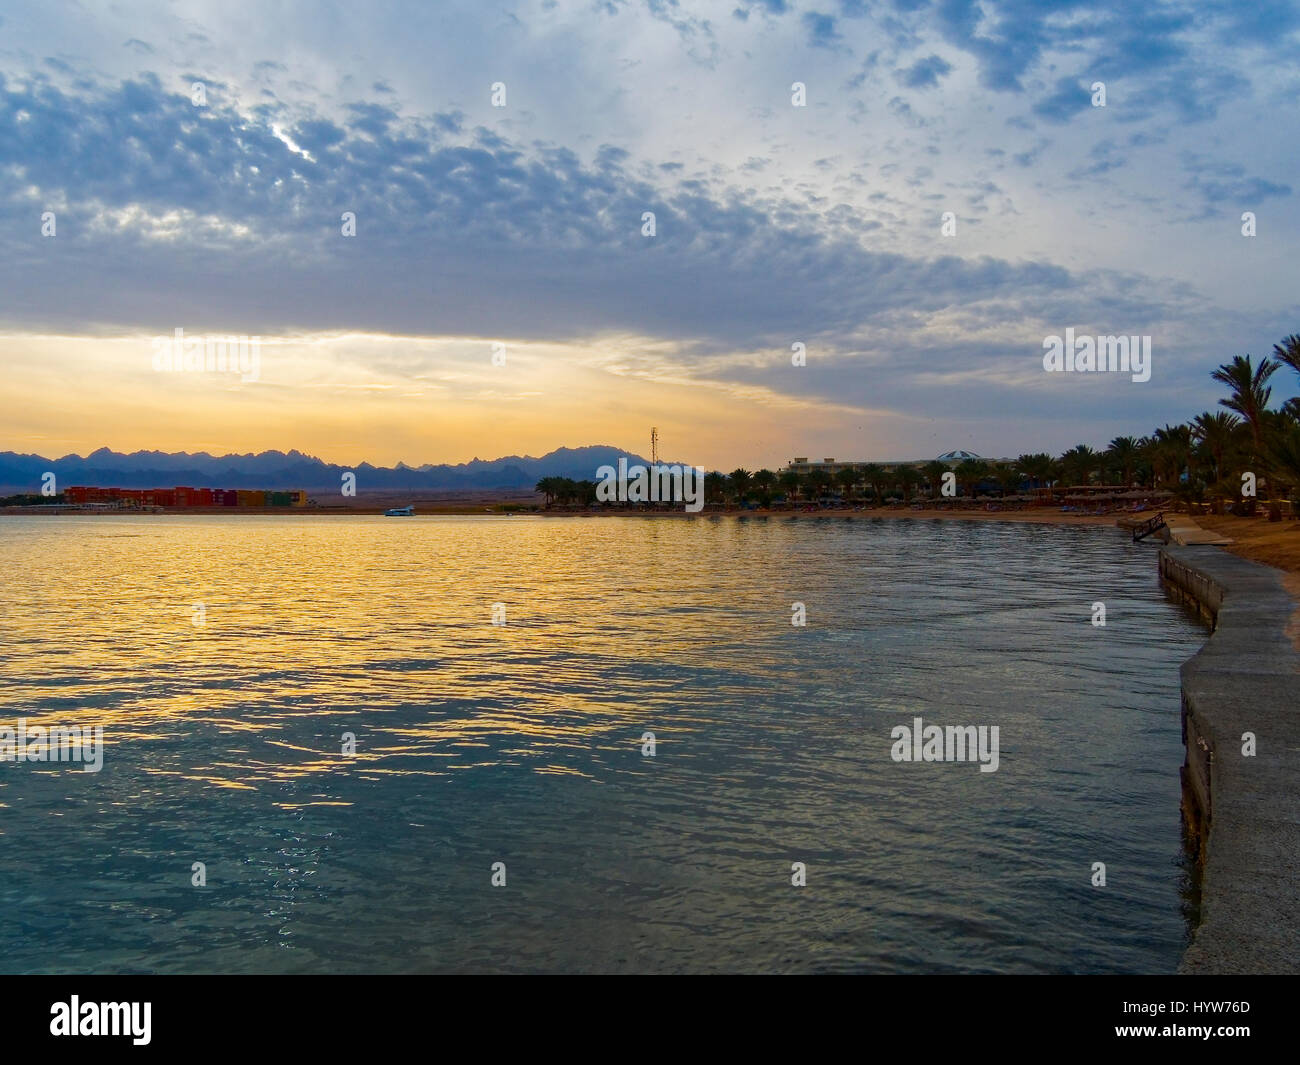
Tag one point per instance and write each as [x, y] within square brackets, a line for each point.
[1205, 457]
[565, 490]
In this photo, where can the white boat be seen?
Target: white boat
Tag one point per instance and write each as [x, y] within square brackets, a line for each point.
[400, 512]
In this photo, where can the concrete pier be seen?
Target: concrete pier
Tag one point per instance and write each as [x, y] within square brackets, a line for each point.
[1245, 810]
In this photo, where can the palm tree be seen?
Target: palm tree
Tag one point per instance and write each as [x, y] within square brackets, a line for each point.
[1146, 468]
[763, 481]
[1165, 462]
[1250, 394]
[1007, 476]
[740, 482]
[908, 478]
[847, 476]
[547, 486]
[1284, 457]
[1288, 352]
[873, 474]
[1215, 430]
[970, 472]
[1176, 441]
[715, 487]
[1123, 455]
[1078, 463]
[818, 481]
[933, 472]
[789, 482]
[1039, 467]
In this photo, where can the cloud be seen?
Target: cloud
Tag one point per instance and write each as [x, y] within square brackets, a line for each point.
[924, 73]
[1007, 39]
[772, 221]
[821, 29]
[206, 210]
[1226, 185]
[1068, 99]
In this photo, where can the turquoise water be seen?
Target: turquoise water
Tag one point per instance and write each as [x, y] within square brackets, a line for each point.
[522, 743]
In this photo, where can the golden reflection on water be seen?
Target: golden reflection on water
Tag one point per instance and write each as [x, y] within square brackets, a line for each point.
[305, 617]
[314, 624]
[225, 739]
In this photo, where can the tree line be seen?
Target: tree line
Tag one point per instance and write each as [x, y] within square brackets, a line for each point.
[1204, 458]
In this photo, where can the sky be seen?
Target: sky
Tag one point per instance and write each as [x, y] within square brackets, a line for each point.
[192, 166]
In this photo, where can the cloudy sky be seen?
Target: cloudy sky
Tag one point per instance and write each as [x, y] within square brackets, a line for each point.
[522, 225]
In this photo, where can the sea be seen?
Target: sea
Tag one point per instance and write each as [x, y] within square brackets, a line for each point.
[588, 744]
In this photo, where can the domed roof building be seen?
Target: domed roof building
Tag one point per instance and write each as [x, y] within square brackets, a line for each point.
[957, 456]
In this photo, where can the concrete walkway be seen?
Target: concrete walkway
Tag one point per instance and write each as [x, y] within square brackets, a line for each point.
[1181, 529]
[1184, 530]
[1245, 808]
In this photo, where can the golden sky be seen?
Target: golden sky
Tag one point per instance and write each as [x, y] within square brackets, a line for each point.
[942, 197]
[387, 399]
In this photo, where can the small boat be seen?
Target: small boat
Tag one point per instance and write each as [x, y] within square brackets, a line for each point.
[400, 512]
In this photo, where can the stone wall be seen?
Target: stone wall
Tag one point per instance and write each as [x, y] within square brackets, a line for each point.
[1243, 809]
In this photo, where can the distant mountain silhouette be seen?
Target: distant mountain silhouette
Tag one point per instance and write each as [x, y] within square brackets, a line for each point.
[278, 469]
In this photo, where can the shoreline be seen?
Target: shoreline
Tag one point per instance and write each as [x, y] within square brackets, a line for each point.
[1275, 544]
[1242, 809]
[1041, 516]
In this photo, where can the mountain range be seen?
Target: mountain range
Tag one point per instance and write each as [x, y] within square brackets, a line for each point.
[293, 469]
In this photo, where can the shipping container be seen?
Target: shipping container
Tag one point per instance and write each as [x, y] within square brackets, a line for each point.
[184, 496]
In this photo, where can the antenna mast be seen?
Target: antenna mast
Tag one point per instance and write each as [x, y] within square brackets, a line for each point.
[654, 447]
